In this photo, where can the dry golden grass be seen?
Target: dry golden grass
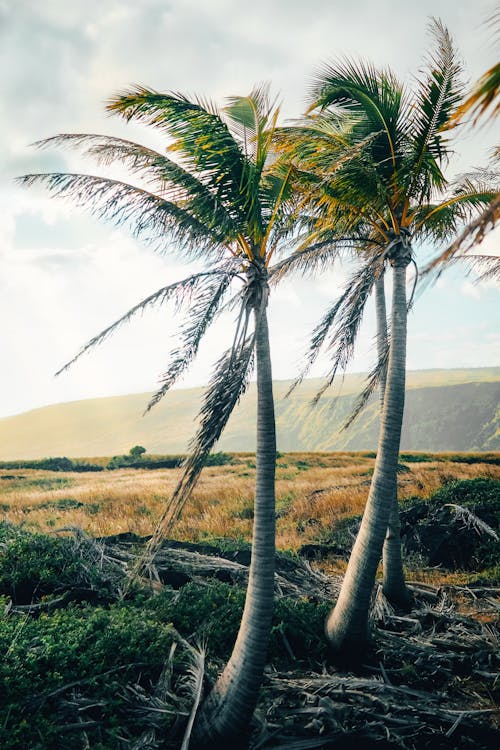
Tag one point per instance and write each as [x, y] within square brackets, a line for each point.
[313, 491]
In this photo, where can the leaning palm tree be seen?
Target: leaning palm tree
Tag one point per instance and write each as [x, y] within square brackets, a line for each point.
[221, 200]
[319, 146]
[397, 186]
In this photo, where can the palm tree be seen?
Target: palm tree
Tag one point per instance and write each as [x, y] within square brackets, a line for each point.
[395, 189]
[320, 146]
[222, 200]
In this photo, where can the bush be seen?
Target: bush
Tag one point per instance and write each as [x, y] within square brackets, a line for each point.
[212, 614]
[51, 464]
[129, 462]
[470, 493]
[443, 535]
[36, 565]
[218, 459]
[101, 650]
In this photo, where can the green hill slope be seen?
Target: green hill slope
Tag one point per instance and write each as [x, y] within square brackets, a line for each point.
[445, 410]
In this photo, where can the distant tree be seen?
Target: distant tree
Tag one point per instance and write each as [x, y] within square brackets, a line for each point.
[222, 201]
[137, 451]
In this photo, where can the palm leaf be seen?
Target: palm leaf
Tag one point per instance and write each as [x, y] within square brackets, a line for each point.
[485, 95]
[473, 193]
[438, 94]
[167, 178]
[346, 316]
[196, 673]
[375, 98]
[227, 385]
[472, 235]
[201, 138]
[150, 216]
[207, 304]
[180, 292]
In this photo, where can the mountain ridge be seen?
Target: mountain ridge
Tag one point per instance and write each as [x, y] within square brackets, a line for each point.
[454, 409]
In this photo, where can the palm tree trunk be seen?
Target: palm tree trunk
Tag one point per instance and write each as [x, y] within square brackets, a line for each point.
[347, 625]
[394, 586]
[226, 713]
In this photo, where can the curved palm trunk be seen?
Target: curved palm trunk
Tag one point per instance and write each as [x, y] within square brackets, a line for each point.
[227, 711]
[347, 625]
[394, 586]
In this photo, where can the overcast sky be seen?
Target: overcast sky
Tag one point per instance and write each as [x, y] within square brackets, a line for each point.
[65, 276]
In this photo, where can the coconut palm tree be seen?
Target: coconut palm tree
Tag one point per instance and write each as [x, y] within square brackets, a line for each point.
[219, 198]
[395, 188]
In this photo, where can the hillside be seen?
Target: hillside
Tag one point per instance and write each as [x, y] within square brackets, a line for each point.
[446, 410]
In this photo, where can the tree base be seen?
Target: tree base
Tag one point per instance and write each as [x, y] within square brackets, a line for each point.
[400, 598]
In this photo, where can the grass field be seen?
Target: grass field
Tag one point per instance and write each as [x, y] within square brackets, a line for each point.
[82, 662]
[313, 492]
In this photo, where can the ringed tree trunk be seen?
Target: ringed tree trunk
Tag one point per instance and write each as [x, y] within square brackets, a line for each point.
[347, 625]
[226, 713]
[393, 586]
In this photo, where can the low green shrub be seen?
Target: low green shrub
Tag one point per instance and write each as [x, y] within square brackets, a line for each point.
[51, 464]
[417, 458]
[211, 614]
[218, 459]
[36, 565]
[133, 462]
[470, 493]
[100, 651]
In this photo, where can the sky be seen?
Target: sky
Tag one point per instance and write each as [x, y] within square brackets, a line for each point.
[65, 275]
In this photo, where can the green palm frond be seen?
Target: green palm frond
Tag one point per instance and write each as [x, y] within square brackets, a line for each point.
[150, 216]
[200, 138]
[439, 92]
[202, 312]
[253, 119]
[165, 176]
[179, 292]
[472, 235]
[374, 97]
[469, 197]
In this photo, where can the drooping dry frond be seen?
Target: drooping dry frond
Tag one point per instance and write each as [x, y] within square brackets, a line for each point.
[486, 266]
[376, 375]
[229, 382]
[149, 216]
[196, 674]
[201, 314]
[346, 317]
[180, 292]
[315, 258]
